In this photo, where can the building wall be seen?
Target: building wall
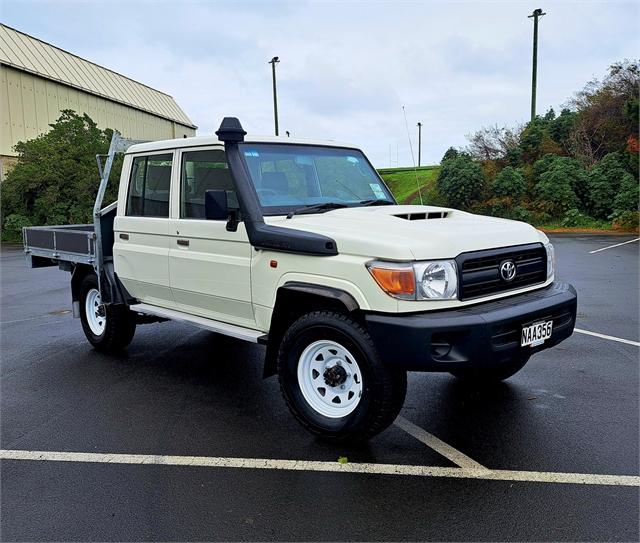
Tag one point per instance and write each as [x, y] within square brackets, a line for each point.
[30, 103]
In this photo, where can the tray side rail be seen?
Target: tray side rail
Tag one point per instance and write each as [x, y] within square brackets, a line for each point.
[49, 245]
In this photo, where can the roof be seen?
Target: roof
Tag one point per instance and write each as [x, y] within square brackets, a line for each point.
[30, 54]
[204, 141]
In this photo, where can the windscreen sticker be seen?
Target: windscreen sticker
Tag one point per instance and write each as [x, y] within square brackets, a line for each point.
[377, 191]
[251, 153]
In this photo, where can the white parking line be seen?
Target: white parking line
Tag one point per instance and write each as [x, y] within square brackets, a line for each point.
[335, 467]
[612, 246]
[604, 336]
[458, 458]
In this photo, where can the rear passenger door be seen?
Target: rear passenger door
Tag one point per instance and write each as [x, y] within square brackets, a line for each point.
[209, 265]
[141, 228]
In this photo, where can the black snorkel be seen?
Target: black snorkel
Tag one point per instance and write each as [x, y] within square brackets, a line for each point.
[262, 235]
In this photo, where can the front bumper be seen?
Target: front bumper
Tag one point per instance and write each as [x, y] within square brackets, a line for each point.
[482, 335]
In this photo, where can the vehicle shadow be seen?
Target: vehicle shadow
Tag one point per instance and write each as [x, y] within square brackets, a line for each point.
[493, 424]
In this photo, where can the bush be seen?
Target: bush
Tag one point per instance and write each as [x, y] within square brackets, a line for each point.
[604, 183]
[554, 193]
[505, 208]
[514, 157]
[509, 182]
[628, 195]
[460, 181]
[561, 127]
[626, 220]
[541, 166]
[574, 219]
[450, 153]
[562, 186]
[55, 180]
[531, 138]
[13, 225]
[522, 214]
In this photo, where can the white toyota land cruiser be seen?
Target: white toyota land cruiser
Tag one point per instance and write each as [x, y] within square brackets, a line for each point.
[300, 246]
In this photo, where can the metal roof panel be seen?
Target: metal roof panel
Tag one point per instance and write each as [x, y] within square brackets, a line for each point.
[27, 53]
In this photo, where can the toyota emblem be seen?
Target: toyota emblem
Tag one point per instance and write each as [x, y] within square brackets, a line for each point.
[508, 270]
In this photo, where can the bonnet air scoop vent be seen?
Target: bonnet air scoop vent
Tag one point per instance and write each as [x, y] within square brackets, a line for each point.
[423, 216]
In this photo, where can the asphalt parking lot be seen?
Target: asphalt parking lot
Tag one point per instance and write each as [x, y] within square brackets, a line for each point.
[460, 464]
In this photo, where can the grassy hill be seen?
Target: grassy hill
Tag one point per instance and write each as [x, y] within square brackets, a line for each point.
[402, 182]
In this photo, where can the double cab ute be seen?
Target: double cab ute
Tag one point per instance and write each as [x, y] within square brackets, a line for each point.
[300, 246]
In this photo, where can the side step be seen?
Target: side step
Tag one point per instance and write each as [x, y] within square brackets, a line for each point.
[246, 334]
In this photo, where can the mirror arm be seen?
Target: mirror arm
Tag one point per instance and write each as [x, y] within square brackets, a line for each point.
[232, 221]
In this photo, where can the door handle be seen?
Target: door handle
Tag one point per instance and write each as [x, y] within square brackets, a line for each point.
[124, 236]
[183, 242]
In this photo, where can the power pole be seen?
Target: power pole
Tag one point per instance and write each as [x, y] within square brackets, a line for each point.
[419, 143]
[537, 13]
[273, 63]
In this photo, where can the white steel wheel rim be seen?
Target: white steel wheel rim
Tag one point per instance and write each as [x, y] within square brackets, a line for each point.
[330, 379]
[92, 305]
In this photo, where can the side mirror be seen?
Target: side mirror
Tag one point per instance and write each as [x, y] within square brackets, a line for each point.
[216, 207]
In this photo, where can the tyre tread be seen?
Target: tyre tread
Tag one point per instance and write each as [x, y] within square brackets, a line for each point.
[385, 406]
[120, 327]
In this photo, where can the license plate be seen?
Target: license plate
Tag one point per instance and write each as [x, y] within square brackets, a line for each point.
[535, 334]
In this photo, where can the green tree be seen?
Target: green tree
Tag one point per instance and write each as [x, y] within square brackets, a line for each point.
[604, 183]
[628, 195]
[561, 128]
[509, 182]
[554, 192]
[450, 153]
[514, 157]
[532, 137]
[541, 165]
[55, 179]
[460, 181]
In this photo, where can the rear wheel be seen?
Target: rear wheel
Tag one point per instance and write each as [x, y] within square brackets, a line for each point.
[491, 375]
[107, 327]
[333, 380]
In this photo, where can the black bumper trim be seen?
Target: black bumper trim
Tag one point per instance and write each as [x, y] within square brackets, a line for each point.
[482, 335]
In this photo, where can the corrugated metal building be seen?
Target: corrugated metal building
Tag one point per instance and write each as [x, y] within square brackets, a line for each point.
[38, 80]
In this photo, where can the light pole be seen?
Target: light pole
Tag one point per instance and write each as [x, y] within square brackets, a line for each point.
[273, 63]
[419, 143]
[537, 13]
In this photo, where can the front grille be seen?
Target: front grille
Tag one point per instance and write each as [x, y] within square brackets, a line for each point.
[507, 335]
[480, 270]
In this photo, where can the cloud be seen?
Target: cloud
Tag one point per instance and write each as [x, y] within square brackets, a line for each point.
[347, 68]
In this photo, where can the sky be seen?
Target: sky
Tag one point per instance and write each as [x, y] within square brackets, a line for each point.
[347, 67]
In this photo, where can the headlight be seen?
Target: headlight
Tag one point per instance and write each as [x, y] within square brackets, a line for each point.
[551, 260]
[436, 280]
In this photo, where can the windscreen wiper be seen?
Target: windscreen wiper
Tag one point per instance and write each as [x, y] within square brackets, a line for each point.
[326, 206]
[376, 203]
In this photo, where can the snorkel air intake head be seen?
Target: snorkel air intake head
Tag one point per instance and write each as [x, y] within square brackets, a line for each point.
[231, 130]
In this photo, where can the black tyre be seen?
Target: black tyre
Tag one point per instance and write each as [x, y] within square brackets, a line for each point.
[333, 380]
[108, 328]
[491, 375]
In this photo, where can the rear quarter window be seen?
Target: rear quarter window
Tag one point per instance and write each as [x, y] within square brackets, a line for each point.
[149, 186]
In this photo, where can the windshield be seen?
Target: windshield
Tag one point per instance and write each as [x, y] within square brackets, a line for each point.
[290, 176]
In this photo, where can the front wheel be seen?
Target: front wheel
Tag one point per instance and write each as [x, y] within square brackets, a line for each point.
[333, 381]
[491, 375]
[108, 328]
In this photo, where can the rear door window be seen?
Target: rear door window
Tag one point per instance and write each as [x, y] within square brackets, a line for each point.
[149, 186]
